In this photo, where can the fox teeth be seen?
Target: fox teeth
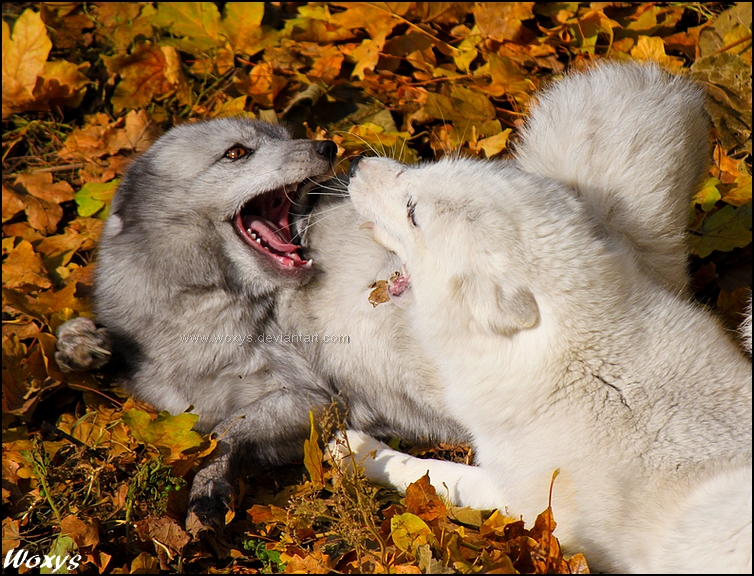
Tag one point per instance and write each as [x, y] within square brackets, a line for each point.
[308, 264]
[258, 240]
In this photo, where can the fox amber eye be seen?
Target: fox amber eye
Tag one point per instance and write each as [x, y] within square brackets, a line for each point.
[411, 208]
[236, 152]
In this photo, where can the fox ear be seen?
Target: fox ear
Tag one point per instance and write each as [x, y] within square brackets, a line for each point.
[501, 309]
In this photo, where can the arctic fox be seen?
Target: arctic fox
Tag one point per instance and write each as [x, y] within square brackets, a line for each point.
[174, 261]
[559, 349]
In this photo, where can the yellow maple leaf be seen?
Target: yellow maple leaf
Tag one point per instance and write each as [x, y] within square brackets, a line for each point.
[25, 52]
[652, 49]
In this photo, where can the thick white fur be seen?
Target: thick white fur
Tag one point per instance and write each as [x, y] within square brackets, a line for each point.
[559, 349]
[611, 134]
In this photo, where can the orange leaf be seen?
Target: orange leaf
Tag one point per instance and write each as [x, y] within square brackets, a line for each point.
[502, 20]
[652, 48]
[12, 204]
[266, 514]
[327, 64]
[91, 141]
[24, 57]
[120, 23]
[23, 268]
[149, 72]
[262, 84]
[422, 500]
[314, 563]
[242, 24]
[84, 533]
[313, 456]
[41, 186]
[63, 84]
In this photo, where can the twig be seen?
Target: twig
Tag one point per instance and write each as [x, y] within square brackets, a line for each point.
[59, 168]
[731, 45]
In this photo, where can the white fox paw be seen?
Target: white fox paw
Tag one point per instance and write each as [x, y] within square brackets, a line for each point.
[352, 447]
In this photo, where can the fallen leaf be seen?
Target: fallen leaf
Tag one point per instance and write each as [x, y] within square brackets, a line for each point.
[93, 197]
[41, 186]
[84, 533]
[502, 21]
[62, 547]
[313, 456]
[145, 563]
[197, 23]
[379, 294]
[708, 194]
[740, 193]
[121, 23]
[172, 435]
[652, 48]
[422, 500]
[13, 203]
[23, 268]
[164, 530]
[63, 85]
[408, 532]
[726, 229]
[24, 55]
[495, 144]
[150, 72]
[327, 63]
[262, 84]
[242, 25]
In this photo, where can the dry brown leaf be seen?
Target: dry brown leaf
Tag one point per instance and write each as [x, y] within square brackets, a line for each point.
[262, 84]
[138, 134]
[422, 500]
[63, 85]
[327, 64]
[164, 530]
[23, 268]
[501, 21]
[84, 532]
[145, 563]
[379, 294]
[314, 563]
[13, 203]
[120, 23]
[149, 72]
[41, 186]
[90, 141]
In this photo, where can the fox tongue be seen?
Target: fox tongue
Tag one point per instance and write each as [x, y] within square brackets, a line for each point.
[271, 223]
[275, 236]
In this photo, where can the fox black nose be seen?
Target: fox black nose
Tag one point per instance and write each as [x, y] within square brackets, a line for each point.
[326, 148]
[354, 164]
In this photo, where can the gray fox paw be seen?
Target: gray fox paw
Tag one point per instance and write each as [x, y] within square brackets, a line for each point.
[82, 346]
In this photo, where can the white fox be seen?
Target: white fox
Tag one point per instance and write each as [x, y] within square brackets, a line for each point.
[560, 349]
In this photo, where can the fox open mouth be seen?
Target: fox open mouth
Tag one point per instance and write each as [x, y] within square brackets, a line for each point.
[264, 224]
